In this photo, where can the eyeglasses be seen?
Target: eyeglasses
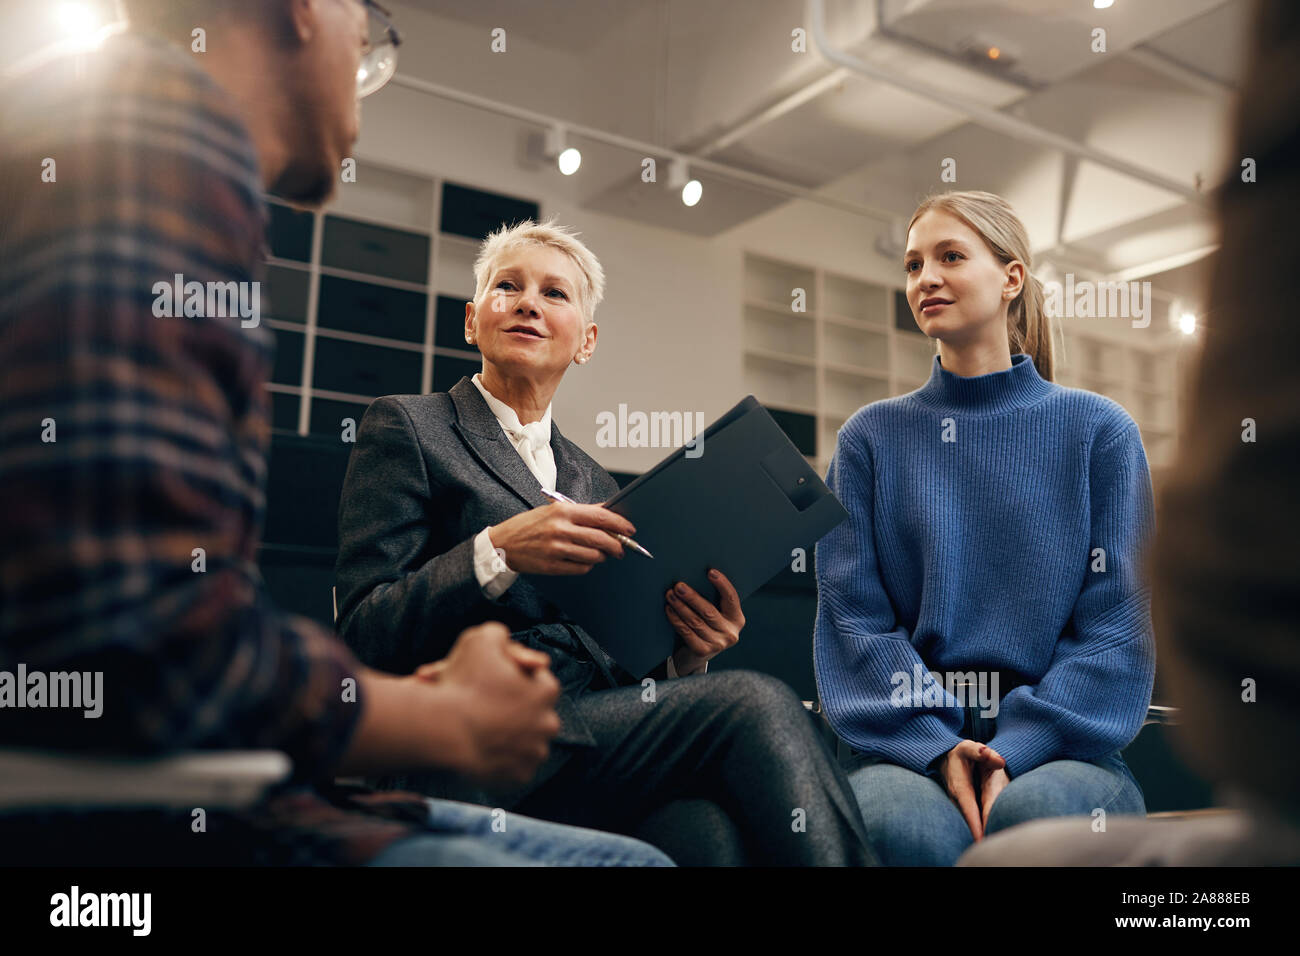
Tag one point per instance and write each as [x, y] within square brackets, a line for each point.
[379, 62]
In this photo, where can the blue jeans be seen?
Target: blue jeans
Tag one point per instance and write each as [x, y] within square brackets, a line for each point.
[465, 835]
[911, 821]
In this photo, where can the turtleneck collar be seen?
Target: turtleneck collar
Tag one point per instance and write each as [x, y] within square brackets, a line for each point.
[1016, 387]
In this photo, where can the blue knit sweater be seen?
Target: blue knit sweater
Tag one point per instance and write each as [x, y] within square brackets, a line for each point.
[976, 507]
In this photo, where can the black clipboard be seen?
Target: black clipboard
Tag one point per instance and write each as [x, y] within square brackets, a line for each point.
[741, 500]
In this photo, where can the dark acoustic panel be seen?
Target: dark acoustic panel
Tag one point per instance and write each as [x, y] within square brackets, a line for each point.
[375, 250]
[284, 294]
[474, 213]
[624, 478]
[300, 582]
[284, 411]
[777, 637]
[369, 309]
[447, 371]
[1167, 782]
[903, 314]
[801, 429]
[449, 324]
[365, 369]
[327, 418]
[303, 482]
[289, 233]
[288, 357]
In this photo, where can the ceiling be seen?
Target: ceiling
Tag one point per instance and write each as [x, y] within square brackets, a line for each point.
[559, 24]
[718, 79]
[689, 75]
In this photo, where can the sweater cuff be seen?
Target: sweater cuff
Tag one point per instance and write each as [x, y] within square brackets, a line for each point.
[1024, 748]
[929, 766]
[918, 750]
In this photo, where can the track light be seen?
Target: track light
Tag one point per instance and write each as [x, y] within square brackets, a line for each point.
[1182, 318]
[568, 158]
[679, 177]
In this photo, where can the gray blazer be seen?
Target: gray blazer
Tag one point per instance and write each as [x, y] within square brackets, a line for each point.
[428, 473]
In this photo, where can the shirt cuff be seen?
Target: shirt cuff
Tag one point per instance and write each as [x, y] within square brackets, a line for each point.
[494, 575]
[672, 669]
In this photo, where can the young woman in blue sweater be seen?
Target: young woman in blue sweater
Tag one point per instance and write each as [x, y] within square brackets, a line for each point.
[997, 523]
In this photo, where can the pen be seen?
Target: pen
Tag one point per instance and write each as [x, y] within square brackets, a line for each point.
[623, 539]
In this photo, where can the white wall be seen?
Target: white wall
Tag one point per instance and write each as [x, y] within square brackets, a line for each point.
[670, 325]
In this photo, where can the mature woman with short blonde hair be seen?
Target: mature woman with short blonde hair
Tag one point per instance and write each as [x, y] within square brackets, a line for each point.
[443, 509]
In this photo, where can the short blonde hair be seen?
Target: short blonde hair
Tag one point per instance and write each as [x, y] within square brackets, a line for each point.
[508, 239]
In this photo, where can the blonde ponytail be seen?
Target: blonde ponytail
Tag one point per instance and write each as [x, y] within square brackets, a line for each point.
[1029, 328]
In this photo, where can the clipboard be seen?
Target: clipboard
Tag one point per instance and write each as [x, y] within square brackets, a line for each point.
[740, 499]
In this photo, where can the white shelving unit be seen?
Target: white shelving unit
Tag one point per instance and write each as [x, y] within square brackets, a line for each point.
[828, 360]
[1142, 374]
[844, 351]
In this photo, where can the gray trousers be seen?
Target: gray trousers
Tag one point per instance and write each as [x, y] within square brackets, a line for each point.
[719, 768]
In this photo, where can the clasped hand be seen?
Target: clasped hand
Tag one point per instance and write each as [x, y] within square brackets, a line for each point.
[974, 774]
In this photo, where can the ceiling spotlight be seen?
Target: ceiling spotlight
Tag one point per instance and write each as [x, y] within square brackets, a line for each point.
[1101, 4]
[568, 158]
[1182, 317]
[991, 49]
[569, 161]
[77, 20]
[679, 177]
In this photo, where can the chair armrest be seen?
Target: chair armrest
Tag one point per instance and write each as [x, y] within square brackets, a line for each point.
[1160, 714]
[838, 747]
[225, 778]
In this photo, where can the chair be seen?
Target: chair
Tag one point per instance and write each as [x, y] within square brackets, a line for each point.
[346, 781]
[61, 809]
[227, 779]
[1164, 716]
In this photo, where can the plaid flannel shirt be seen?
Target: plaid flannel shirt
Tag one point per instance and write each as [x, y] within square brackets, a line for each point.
[119, 169]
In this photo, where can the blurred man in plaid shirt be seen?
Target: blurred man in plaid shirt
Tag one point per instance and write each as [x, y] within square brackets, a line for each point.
[134, 429]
